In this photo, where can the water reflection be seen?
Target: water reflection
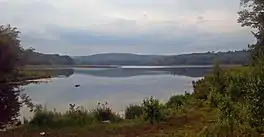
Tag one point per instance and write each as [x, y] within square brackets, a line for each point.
[129, 85]
[131, 72]
[12, 98]
[58, 72]
[64, 72]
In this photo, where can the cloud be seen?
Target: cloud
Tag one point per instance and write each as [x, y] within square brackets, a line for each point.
[146, 27]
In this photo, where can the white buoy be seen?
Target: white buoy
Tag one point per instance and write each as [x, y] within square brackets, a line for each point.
[107, 121]
[42, 133]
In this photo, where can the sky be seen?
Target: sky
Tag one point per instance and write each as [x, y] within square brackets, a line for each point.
[166, 27]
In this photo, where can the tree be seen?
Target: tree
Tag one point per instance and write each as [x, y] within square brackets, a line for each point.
[10, 50]
[252, 15]
[218, 80]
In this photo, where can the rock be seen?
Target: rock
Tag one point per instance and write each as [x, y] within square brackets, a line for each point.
[42, 133]
[107, 121]
[3, 130]
[18, 123]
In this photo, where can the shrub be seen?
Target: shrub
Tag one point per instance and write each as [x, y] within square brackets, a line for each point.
[104, 113]
[215, 98]
[79, 115]
[176, 101]
[201, 88]
[152, 110]
[43, 117]
[222, 129]
[133, 111]
[75, 116]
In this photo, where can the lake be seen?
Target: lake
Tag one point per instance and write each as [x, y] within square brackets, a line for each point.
[117, 86]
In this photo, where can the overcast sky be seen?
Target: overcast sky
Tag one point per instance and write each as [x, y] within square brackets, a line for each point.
[84, 27]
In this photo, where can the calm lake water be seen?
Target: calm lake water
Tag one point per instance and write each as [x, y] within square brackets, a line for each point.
[117, 86]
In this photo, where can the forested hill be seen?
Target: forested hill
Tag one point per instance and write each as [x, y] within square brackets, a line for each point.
[35, 58]
[236, 57]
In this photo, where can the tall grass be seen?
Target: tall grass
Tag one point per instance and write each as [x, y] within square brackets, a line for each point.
[104, 113]
[74, 116]
[133, 111]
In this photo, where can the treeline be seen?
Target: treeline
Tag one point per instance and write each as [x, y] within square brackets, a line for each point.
[231, 57]
[238, 94]
[35, 58]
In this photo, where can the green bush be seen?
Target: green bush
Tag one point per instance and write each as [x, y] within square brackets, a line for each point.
[223, 129]
[104, 113]
[43, 117]
[153, 110]
[75, 116]
[133, 111]
[79, 115]
[201, 88]
[176, 101]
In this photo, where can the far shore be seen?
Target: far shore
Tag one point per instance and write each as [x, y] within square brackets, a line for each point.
[121, 66]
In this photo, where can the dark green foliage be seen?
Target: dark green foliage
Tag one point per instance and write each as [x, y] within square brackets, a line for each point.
[232, 121]
[133, 111]
[75, 116]
[214, 98]
[10, 50]
[104, 113]
[236, 87]
[42, 117]
[79, 116]
[10, 59]
[176, 101]
[216, 82]
[9, 104]
[35, 58]
[236, 57]
[228, 91]
[153, 110]
[229, 114]
[201, 88]
[218, 79]
[252, 16]
[255, 98]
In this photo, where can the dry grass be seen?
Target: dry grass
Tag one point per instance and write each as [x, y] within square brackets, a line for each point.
[186, 124]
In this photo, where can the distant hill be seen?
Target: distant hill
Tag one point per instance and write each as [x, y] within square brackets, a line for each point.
[236, 57]
[118, 59]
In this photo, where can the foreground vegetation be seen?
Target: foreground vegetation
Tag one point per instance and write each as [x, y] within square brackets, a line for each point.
[225, 103]
[33, 74]
[180, 116]
[221, 105]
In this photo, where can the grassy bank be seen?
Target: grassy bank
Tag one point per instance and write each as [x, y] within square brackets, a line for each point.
[25, 74]
[180, 116]
[223, 104]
